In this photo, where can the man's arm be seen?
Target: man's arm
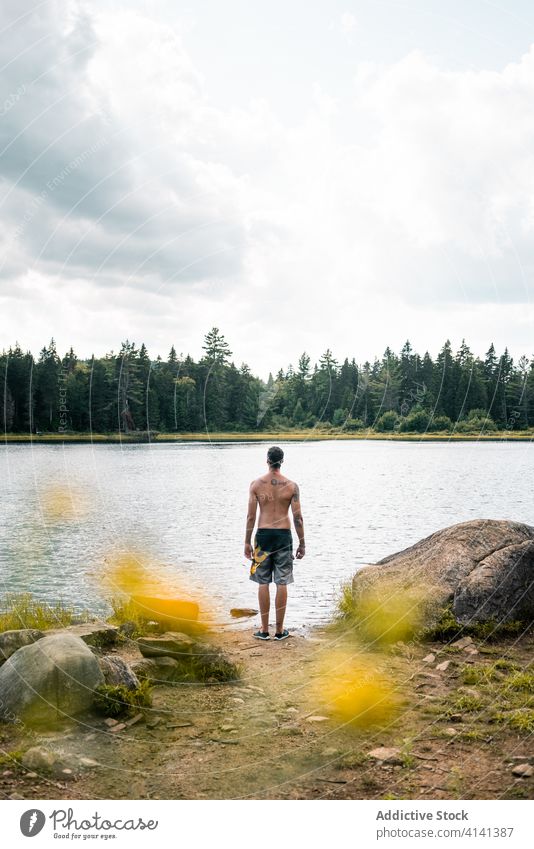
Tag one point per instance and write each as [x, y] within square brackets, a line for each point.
[298, 521]
[251, 520]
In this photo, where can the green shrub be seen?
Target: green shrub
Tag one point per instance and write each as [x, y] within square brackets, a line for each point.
[476, 425]
[440, 424]
[387, 422]
[417, 422]
[118, 700]
[354, 424]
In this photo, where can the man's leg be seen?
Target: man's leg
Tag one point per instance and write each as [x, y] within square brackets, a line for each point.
[264, 600]
[280, 606]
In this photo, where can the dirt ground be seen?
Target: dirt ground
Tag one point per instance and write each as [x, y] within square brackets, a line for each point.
[261, 737]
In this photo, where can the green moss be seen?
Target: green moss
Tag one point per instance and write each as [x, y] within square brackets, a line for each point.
[21, 610]
[448, 628]
[119, 700]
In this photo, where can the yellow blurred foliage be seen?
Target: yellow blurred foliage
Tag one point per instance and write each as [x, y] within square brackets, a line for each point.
[353, 690]
[386, 613]
[153, 592]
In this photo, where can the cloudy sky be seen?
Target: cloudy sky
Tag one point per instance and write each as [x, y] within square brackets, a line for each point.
[303, 175]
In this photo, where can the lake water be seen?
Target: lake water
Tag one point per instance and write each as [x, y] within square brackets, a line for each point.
[185, 505]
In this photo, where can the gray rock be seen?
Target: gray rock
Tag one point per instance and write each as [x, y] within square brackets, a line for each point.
[12, 641]
[117, 672]
[172, 644]
[484, 567]
[49, 680]
[39, 759]
[96, 634]
[386, 754]
[157, 671]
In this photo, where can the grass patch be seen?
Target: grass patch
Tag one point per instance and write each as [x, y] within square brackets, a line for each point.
[125, 612]
[120, 701]
[449, 628]
[521, 720]
[10, 759]
[21, 610]
[209, 665]
[523, 681]
[466, 703]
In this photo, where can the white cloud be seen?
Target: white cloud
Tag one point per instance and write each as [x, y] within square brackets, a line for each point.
[399, 211]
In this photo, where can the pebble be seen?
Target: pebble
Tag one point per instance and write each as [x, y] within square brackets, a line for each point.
[463, 643]
[443, 666]
[430, 658]
[316, 719]
[523, 770]
[386, 754]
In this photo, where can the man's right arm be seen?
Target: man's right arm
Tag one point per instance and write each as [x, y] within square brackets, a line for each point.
[298, 521]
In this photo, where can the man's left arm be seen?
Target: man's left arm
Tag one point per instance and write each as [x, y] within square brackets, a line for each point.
[251, 520]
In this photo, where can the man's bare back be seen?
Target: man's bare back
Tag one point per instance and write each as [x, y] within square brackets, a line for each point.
[274, 496]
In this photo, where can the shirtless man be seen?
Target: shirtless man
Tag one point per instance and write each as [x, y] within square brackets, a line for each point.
[272, 555]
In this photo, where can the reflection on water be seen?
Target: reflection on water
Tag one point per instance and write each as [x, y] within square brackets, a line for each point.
[187, 505]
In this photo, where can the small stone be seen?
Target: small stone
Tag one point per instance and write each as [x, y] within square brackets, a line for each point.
[237, 701]
[134, 720]
[385, 754]
[39, 758]
[153, 721]
[471, 651]
[291, 710]
[450, 732]
[463, 643]
[7, 772]
[110, 722]
[430, 658]
[443, 666]
[227, 728]
[316, 719]
[88, 763]
[523, 770]
[456, 717]
[116, 728]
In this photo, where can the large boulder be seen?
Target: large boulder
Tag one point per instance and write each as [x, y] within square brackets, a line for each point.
[96, 634]
[485, 568]
[12, 641]
[50, 680]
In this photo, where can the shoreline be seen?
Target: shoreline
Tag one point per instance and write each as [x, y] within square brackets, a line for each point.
[236, 437]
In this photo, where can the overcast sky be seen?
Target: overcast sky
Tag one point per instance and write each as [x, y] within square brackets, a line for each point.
[301, 174]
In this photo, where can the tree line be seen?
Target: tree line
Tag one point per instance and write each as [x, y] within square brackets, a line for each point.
[129, 392]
